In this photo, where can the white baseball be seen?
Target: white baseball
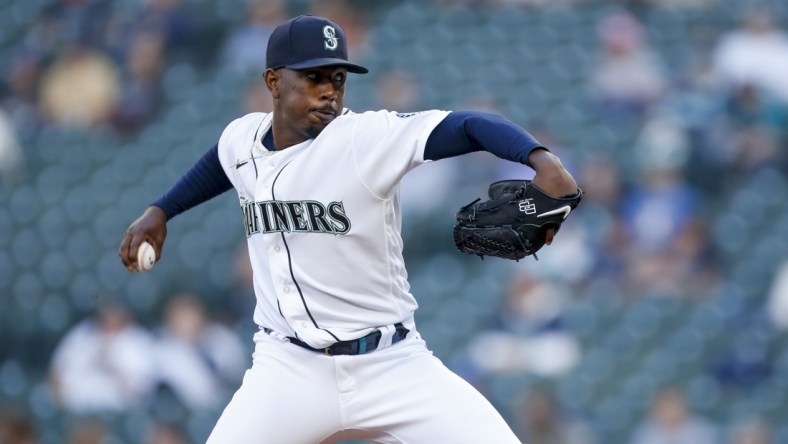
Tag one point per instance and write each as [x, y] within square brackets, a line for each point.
[146, 257]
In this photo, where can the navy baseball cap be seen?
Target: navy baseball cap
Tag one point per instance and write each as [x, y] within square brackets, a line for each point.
[308, 41]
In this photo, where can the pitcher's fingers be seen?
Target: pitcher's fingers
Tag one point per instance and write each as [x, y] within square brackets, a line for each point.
[549, 234]
[127, 251]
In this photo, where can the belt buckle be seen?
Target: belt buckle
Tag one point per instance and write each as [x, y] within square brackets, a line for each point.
[327, 351]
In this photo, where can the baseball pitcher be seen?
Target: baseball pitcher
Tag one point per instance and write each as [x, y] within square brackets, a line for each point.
[338, 355]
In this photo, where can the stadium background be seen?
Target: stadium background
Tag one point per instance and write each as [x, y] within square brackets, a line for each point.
[671, 274]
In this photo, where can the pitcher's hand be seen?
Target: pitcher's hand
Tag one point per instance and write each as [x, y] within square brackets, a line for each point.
[151, 227]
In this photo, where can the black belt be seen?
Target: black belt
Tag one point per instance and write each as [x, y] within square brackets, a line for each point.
[358, 346]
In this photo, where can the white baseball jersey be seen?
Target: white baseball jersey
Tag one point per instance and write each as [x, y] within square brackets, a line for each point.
[329, 200]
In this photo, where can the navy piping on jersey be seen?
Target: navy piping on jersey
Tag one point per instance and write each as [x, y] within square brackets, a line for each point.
[268, 143]
[268, 140]
[290, 266]
[254, 160]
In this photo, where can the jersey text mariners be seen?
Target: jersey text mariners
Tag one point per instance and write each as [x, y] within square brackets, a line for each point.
[303, 216]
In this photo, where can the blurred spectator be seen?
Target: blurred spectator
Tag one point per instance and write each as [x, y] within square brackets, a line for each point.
[628, 76]
[756, 127]
[67, 23]
[746, 359]
[103, 363]
[602, 193]
[141, 90]
[755, 54]
[89, 430]
[748, 132]
[662, 143]
[683, 269]
[752, 431]
[670, 421]
[530, 335]
[756, 147]
[733, 132]
[749, 106]
[170, 18]
[200, 360]
[81, 89]
[16, 428]
[162, 433]
[540, 420]
[12, 160]
[244, 49]
[667, 246]
[20, 100]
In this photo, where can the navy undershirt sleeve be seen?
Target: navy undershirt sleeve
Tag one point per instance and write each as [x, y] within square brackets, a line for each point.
[204, 181]
[464, 132]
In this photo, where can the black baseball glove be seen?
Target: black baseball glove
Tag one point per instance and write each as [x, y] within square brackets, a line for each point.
[513, 223]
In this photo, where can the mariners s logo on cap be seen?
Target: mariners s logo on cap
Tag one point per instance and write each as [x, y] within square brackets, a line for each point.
[308, 41]
[331, 37]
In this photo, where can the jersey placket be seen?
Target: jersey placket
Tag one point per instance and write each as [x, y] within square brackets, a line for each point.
[275, 244]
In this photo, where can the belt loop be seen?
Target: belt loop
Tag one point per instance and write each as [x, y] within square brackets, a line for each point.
[275, 334]
[362, 345]
[386, 335]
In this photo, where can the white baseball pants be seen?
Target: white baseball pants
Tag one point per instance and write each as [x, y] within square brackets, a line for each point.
[396, 395]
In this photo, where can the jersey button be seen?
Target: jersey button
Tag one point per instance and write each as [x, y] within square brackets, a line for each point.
[287, 289]
[277, 249]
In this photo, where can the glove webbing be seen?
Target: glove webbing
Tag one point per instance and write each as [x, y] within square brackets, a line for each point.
[492, 247]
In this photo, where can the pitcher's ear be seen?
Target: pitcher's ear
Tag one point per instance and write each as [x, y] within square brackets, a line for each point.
[272, 78]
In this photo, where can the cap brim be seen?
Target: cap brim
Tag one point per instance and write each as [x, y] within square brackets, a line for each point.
[329, 61]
